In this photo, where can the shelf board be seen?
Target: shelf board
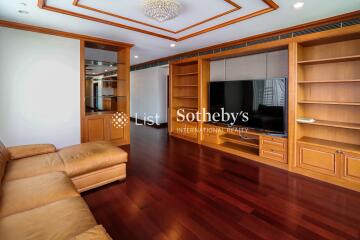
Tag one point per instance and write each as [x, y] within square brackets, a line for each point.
[186, 74]
[254, 143]
[330, 60]
[187, 108]
[330, 144]
[237, 147]
[330, 103]
[186, 85]
[330, 81]
[355, 126]
[185, 97]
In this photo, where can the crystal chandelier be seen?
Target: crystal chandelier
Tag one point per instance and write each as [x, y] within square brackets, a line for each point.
[161, 10]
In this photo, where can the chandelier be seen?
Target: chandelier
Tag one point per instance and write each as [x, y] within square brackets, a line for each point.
[161, 10]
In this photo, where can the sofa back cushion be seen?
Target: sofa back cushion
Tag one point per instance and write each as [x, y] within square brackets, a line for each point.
[4, 157]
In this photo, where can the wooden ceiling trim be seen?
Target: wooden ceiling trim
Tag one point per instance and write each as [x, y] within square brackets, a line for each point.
[272, 6]
[49, 31]
[236, 8]
[83, 16]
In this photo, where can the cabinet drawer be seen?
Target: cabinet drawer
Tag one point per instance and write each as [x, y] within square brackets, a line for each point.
[318, 159]
[275, 155]
[273, 143]
[351, 166]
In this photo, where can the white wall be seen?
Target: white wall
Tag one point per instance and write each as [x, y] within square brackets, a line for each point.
[39, 88]
[148, 92]
[258, 66]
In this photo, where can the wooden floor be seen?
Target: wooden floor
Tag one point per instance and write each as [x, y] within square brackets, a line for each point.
[179, 190]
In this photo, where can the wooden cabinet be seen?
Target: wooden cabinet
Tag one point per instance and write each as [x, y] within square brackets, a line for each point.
[96, 119]
[101, 128]
[318, 159]
[95, 129]
[350, 166]
[273, 148]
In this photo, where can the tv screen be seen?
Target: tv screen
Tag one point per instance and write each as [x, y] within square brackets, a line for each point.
[264, 101]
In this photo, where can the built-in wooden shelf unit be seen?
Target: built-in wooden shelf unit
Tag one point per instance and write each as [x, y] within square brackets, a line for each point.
[324, 84]
[98, 125]
[328, 90]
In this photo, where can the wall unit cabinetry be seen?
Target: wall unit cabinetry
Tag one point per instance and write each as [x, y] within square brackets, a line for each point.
[188, 94]
[98, 125]
[324, 84]
[327, 90]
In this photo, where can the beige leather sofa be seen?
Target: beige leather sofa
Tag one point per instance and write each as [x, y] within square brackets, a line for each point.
[40, 187]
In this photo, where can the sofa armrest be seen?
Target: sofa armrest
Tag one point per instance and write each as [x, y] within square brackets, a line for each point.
[30, 150]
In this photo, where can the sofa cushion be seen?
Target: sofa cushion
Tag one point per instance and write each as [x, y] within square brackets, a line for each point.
[88, 157]
[28, 193]
[24, 151]
[95, 233]
[63, 219]
[33, 166]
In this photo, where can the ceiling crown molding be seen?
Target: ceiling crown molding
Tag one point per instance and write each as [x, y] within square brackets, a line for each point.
[271, 6]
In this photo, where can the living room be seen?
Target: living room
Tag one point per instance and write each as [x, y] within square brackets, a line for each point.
[179, 119]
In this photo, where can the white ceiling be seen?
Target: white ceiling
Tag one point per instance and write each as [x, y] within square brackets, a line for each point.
[149, 47]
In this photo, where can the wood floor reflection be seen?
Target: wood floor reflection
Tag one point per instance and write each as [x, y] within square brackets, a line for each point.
[179, 190]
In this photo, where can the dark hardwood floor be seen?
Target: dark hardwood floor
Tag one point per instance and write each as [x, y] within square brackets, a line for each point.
[179, 190]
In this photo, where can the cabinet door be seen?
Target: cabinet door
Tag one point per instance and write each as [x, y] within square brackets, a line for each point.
[95, 129]
[351, 166]
[318, 159]
[117, 135]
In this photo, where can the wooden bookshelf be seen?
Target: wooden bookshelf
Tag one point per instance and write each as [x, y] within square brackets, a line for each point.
[99, 126]
[187, 93]
[327, 89]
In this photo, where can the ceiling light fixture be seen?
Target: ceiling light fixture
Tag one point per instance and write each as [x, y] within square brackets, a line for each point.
[298, 5]
[161, 10]
[173, 45]
[136, 56]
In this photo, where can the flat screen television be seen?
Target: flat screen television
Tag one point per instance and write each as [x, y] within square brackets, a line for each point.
[265, 102]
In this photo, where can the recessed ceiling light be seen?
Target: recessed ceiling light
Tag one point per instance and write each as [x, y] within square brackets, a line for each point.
[298, 5]
[173, 45]
[136, 56]
[23, 12]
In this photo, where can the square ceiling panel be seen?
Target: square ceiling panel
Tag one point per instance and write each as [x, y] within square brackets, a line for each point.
[195, 18]
[192, 12]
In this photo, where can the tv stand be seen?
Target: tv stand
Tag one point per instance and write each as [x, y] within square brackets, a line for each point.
[251, 144]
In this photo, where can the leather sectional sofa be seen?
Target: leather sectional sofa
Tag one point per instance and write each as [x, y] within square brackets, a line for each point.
[40, 189]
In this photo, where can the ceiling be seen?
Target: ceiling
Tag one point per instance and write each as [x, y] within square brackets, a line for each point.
[201, 23]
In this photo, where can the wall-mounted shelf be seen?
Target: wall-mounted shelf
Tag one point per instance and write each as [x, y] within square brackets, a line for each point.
[330, 81]
[330, 103]
[330, 60]
[254, 143]
[240, 148]
[186, 74]
[186, 85]
[185, 97]
[355, 126]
